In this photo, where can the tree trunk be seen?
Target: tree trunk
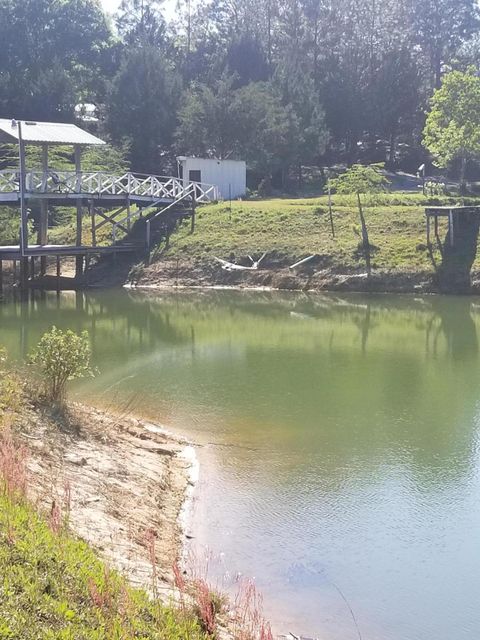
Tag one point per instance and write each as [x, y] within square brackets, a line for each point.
[437, 67]
[459, 252]
[392, 148]
[463, 166]
[365, 240]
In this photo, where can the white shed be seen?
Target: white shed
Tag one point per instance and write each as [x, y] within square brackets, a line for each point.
[230, 176]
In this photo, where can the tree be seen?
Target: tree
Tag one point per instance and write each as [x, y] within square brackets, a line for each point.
[268, 131]
[297, 90]
[140, 22]
[250, 123]
[206, 120]
[52, 56]
[394, 97]
[439, 27]
[141, 107]
[246, 61]
[452, 128]
[62, 356]
[361, 180]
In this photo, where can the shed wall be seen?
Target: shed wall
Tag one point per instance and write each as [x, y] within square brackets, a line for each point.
[230, 176]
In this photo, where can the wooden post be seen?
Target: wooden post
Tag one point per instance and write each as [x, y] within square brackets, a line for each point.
[194, 204]
[23, 274]
[58, 274]
[128, 214]
[428, 230]
[43, 228]
[78, 240]
[330, 209]
[92, 217]
[450, 226]
[147, 239]
[1, 276]
[32, 268]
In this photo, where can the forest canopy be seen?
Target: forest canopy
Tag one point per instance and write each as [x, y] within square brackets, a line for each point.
[280, 83]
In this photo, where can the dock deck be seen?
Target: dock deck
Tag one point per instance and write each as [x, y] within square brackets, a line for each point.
[13, 252]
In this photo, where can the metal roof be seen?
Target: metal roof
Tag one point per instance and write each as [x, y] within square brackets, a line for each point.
[46, 133]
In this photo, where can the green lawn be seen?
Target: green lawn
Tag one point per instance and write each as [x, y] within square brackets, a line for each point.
[295, 228]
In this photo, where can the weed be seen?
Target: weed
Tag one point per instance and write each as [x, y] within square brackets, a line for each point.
[13, 468]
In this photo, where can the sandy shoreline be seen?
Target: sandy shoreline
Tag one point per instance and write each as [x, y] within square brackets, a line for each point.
[126, 484]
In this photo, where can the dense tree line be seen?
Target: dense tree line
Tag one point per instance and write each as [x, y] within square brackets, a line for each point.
[282, 83]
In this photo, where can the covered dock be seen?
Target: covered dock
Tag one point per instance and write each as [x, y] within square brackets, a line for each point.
[108, 199]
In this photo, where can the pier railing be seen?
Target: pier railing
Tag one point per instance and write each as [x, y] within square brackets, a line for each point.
[98, 183]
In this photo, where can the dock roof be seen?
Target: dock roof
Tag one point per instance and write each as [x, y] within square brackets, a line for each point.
[46, 133]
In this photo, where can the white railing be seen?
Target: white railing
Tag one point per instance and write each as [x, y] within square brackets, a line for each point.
[99, 183]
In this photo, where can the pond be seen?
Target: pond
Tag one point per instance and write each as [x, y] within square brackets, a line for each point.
[339, 441]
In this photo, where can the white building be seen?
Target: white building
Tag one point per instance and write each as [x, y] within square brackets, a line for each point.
[230, 176]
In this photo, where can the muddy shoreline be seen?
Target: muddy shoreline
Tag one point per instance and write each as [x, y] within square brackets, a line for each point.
[171, 274]
[123, 482]
[274, 274]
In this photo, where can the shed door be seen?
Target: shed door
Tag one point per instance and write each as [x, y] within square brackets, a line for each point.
[195, 175]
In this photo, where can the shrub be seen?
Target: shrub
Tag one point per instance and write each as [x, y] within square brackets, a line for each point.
[62, 356]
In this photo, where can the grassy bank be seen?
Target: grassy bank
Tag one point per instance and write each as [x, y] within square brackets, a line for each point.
[54, 587]
[77, 562]
[287, 230]
[293, 228]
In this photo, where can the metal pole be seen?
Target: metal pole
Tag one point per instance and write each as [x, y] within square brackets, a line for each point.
[78, 185]
[23, 208]
[330, 208]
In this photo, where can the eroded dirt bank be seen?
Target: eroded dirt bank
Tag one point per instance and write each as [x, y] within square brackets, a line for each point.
[315, 277]
[122, 481]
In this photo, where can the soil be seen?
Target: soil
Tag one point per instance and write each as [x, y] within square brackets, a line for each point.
[273, 273]
[309, 277]
[123, 482]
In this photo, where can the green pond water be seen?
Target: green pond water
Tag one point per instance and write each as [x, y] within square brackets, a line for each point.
[340, 453]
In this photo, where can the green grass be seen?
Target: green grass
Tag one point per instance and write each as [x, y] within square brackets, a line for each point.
[53, 587]
[295, 228]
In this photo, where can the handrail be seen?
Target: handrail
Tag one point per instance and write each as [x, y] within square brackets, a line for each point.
[101, 183]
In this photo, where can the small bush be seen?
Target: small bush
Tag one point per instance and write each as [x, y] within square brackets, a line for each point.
[62, 356]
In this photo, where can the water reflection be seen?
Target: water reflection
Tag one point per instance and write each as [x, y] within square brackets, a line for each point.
[343, 431]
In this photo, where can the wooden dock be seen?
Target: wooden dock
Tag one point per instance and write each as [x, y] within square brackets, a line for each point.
[454, 215]
[115, 200]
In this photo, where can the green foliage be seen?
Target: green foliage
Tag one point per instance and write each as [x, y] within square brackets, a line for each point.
[9, 226]
[361, 179]
[52, 55]
[291, 228]
[53, 587]
[142, 104]
[274, 82]
[250, 122]
[452, 129]
[62, 356]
